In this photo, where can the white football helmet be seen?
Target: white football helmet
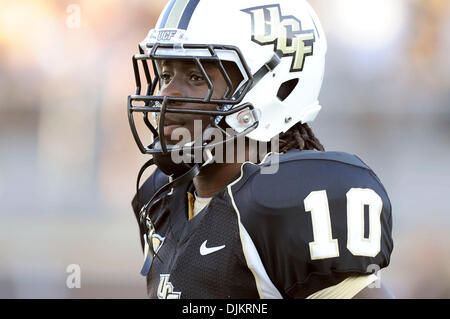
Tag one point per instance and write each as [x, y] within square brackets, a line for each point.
[279, 47]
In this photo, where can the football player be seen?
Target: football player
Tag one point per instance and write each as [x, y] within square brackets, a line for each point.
[244, 201]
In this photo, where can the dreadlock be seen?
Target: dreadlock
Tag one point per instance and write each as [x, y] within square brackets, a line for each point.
[301, 137]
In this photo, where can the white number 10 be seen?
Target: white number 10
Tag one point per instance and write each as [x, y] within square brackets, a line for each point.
[324, 246]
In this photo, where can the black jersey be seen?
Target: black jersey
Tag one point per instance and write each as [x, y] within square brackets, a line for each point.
[321, 218]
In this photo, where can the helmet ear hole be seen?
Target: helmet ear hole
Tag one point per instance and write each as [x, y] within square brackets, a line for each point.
[286, 89]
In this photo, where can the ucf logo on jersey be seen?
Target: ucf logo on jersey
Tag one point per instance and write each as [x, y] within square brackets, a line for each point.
[165, 288]
[285, 32]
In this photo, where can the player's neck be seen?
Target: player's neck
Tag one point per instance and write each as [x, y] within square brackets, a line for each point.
[213, 178]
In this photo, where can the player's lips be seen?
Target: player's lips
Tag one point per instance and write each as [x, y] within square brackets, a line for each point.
[170, 126]
[168, 129]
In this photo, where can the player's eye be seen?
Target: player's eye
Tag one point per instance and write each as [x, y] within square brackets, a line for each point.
[196, 77]
[166, 77]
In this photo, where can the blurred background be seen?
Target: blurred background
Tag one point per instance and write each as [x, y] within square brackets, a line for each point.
[68, 161]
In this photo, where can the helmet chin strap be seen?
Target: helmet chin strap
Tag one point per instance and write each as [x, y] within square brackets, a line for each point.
[186, 177]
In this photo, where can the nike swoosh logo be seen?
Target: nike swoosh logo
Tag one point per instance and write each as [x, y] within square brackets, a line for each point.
[209, 250]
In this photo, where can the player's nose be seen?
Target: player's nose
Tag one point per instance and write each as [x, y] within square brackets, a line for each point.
[173, 89]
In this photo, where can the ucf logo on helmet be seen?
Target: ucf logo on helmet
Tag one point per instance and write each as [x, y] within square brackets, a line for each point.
[166, 35]
[285, 32]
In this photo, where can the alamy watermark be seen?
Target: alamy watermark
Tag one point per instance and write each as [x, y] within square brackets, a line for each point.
[221, 146]
[74, 278]
[73, 20]
[375, 269]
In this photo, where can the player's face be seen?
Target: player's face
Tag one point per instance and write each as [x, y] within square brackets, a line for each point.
[184, 79]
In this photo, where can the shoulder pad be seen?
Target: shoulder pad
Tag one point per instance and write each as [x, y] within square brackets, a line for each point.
[300, 172]
[156, 180]
[296, 155]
